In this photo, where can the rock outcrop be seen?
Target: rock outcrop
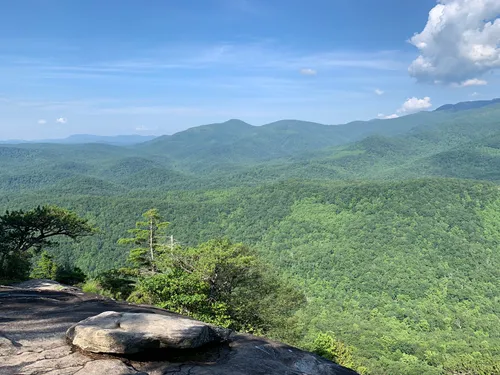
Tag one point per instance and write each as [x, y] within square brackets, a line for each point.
[45, 284]
[33, 326]
[108, 367]
[114, 332]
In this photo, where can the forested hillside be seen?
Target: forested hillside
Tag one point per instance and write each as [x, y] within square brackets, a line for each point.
[391, 228]
[233, 154]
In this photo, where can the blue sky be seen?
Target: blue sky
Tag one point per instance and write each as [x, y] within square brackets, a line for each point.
[157, 67]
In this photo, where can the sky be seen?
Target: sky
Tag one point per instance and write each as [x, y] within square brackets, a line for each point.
[157, 67]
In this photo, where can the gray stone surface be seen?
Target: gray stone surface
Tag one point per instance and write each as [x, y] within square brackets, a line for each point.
[108, 367]
[129, 333]
[33, 324]
[44, 284]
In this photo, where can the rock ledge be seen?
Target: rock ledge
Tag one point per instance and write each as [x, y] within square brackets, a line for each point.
[114, 332]
[33, 341]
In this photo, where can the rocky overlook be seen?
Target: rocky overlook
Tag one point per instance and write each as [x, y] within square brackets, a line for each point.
[48, 329]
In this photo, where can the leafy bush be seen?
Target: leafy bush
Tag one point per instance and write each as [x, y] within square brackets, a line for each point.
[71, 276]
[327, 346]
[45, 268]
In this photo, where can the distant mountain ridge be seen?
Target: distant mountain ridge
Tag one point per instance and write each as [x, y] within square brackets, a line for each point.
[235, 141]
[286, 132]
[235, 152]
[116, 140]
[464, 106]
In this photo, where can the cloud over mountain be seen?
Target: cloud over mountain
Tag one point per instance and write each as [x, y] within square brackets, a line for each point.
[411, 105]
[415, 104]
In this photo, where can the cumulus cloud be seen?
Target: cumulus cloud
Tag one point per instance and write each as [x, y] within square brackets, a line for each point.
[42, 122]
[379, 92]
[413, 105]
[308, 72]
[459, 42]
[62, 120]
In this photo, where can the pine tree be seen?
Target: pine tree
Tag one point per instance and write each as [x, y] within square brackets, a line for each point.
[24, 233]
[148, 237]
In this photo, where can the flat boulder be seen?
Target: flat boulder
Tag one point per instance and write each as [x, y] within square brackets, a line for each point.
[129, 333]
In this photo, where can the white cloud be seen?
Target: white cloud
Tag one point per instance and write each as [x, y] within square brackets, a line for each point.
[413, 105]
[459, 42]
[42, 122]
[387, 117]
[263, 55]
[473, 82]
[474, 94]
[379, 92]
[308, 72]
[62, 120]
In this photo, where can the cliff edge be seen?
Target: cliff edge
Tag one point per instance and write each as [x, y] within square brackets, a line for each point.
[38, 320]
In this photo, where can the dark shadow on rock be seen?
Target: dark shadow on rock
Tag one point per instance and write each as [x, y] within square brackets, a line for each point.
[206, 355]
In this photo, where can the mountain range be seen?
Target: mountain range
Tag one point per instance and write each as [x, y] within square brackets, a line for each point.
[461, 141]
[237, 130]
[118, 140]
[390, 227]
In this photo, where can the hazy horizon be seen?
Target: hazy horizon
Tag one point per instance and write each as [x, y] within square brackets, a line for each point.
[169, 66]
[159, 135]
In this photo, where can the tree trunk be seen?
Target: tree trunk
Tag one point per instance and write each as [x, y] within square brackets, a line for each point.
[151, 246]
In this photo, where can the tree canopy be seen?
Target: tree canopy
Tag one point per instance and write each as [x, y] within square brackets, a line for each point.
[217, 281]
[24, 233]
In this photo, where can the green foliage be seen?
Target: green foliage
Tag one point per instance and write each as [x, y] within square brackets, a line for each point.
[92, 286]
[34, 229]
[13, 265]
[480, 363]
[23, 233]
[326, 345]
[118, 284]
[404, 272]
[45, 268]
[218, 282]
[71, 276]
[149, 241]
[177, 291]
